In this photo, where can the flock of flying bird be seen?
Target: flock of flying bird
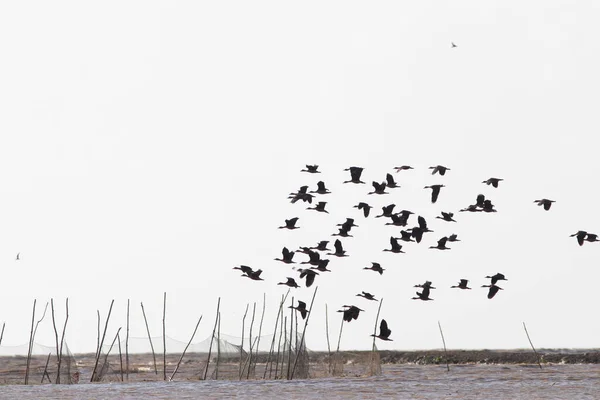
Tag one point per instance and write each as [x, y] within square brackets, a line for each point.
[399, 219]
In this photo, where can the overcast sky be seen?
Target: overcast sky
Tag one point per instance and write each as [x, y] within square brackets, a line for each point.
[149, 146]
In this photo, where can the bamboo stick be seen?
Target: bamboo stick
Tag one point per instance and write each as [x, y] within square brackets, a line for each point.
[55, 332]
[242, 345]
[249, 361]
[534, 352]
[218, 347]
[164, 337]
[120, 355]
[102, 342]
[303, 332]
[327, 335]
[2, 334]
[98, 336]
[260, 330]
[212, 337]
[445, 351]
[272, 348]
[149, 339]
[290, 343]
[62, 341]
[185, 349]
[45, 373]
[282, 332]
[111, 346]
[127, 345]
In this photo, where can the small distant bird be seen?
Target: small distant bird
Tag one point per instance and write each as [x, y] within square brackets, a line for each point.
[396, 247]
[287, 256]
[441, 244]
[291, 282]
[387, 211]
[322, 266]
[403, 168]
[17, 259]
[376, 267]
[493, 290]
[350, 312]
[365, 207]
[245, 269]
[290, 223]
[311, 169]
[339, 249]
[462, 284]
[406, 236]
[314, 258]
[497, 277]
[321, 189]
[301, 307]
[255, 275]
[390, 182]
[355, 173]
[342, 232]
[435, 191]
[349, 224]
[488, 206]
[423, 295]
[321, 246]
[453, 45]
[309, 274]
[545, 202]
[591, 237]
[493, 181]
[379, 188]
[480, 201]
[367, 296]
[384, 331]
[471, 208]
[580, 236]
[320, 206]
[427, 284]
[453, 238]
[439, 168]
[446, 216]
[301, 194]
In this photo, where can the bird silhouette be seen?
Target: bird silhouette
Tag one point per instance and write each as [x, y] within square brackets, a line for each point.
[580, 235]
[321, 189]
[453, 238]
[350, 312]
[17, 259]
[406, 236]
[453, 45]
[387, 211]
[488, 206]
[435, 191]
[427, 284]
[545, 202]
[403, 168]
[314, 258]
[439, 169]
[375, 267]
[591, 237]
[493, 290]
[287, 256]
[301, 194]
[291, 282]
[348, 224]
[441, 244]
[301, 307]
[321, 246]
[497, 277]
[365, 207]
[322, 266]
[462, 284]
[311, 169]
[255, 275]
[355, 173]
[446, 216]
[320, 206]
[245, 269]
[384, 331]
[423, 295]
[339, 249]
[493, 181]
[379, 188]
[367, 296]
[396, 247]
[342, 232]
[290, 223]
[309, 274]
[390, 182]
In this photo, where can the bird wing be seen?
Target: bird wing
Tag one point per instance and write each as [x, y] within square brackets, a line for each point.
[389, 179]
[338, 246]
[422, 222]
[442, 242]
[310, 278]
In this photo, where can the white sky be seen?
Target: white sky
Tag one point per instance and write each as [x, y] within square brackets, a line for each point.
[150, 146]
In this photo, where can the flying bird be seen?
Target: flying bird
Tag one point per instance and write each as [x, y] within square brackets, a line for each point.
[311, 169]
[367, 296]
[580, 235]
[301, 307]
[365, 207]
[350, 312]
[545, 202]
[322, 266]
[255, 275]
[493, 290]
[435, 191]
[441, 244]
[440, 169]
[403, 168]
[320, 206]
[379, 188]
[375, 267]
[453, 45]
[314, 258]
[446, 216]
[453, 238]
[396, 247]
[339, 249]
[291, 282]
[423, 295]
[497, 277]
[309, 274]
[321, 189]
[384, 331]
[493, 181]
[387, 211]
[290, 223]
[287, 256]
[355, 173]
[245, 269]
[390, 182]
[591, 237]
[301, 194]
[321, 246]
[462, 284]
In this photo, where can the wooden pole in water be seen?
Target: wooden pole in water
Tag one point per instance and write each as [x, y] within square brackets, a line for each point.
[284, 332]
[445, 351]
[32, 342]
[272, 349]
[290, 343]
[164, 337]
[327, 335]
[55, 330]
[62, 341]
[249, 361]
[218, 348]
[102, 342]
[98, 336]
[149, 338]
[120, 355]
[111, 346]
[242, 345]
[2, 334]
[212, 338]
[127, 345]
[278, 343]
[376, 322]
[262, 317]
[184, 350]
[534, 352]
[45, 373]
[298, 350]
